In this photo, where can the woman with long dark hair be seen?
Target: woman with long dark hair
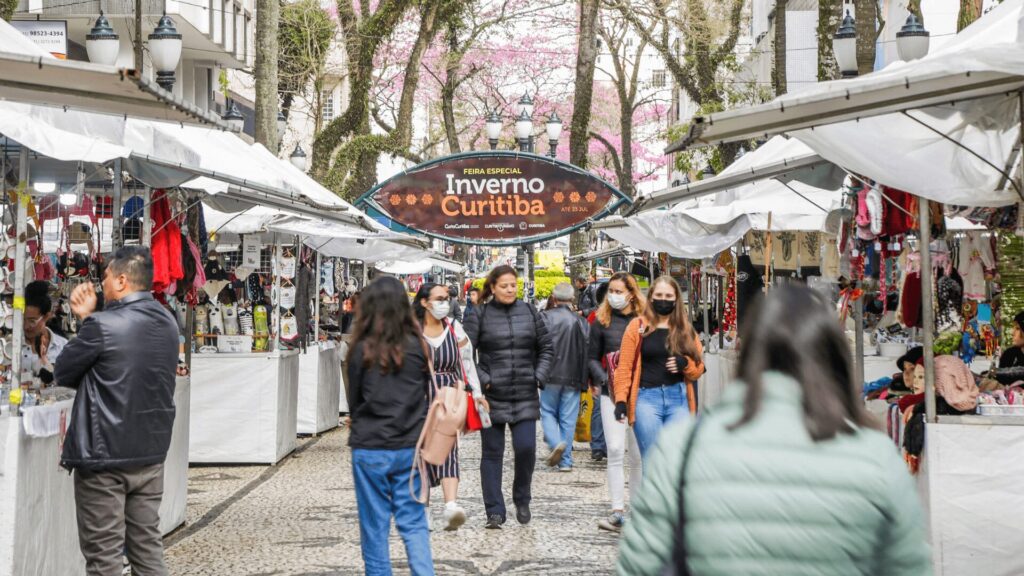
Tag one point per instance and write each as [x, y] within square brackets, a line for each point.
[621, 305]
[660, 362]
[452, 355]
[514, 358]
[785, 475]
[388, 380]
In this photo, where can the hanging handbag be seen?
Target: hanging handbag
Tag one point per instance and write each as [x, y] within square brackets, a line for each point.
[446, 417]
[474, 422]
[677, 566]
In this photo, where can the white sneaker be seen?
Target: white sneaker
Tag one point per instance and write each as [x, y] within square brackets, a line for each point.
[454, 516]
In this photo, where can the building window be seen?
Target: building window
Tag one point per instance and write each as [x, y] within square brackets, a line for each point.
[327, 105]
[658, 79]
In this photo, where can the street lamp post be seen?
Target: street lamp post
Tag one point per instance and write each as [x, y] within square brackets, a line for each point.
[524, 126]
[912, 40]
[554, 130]
[526, 107]
[165, 50]
[102, 44]
[233, 117]
[298, 158]
[844, 46]
[493, 129]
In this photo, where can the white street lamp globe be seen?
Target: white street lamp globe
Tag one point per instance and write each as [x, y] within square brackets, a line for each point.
[844, 46]
[912, 40]
[165, 50]
[102, 44]
[523, 126]
[526, 104]
[493, 126]
[554, 126]
[298, 158]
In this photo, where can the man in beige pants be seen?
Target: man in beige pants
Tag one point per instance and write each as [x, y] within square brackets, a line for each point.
[123, 366]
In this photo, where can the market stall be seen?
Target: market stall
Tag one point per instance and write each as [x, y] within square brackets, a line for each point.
[947, 130]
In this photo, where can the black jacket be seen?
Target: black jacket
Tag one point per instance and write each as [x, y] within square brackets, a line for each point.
[123, 364]
[388, 410]
[604, 340]
[568, 334]
[514, 356]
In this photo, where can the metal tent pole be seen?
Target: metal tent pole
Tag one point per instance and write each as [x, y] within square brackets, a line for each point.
[858, 331]
[21, 227]
[316, 305]
[147, 223]
[928, 313]
[118, 202]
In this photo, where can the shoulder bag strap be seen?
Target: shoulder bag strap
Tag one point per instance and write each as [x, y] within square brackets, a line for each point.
[677, 565]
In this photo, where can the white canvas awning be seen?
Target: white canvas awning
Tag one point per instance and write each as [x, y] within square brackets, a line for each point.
[945, 127]
[30, 74]
[406, 267]
[781, 158]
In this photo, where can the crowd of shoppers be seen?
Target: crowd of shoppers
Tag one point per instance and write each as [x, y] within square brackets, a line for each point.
[784, 476]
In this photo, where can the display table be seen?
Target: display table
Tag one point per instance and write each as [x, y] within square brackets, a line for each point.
[243, 407]
[720, 369]
[319, 388]
[38, 530]
[970, 482]
[172, 507]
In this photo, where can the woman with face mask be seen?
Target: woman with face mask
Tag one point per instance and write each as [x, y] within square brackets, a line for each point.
[622, 303]
[453, 365]
[515, 359]
[659, 364]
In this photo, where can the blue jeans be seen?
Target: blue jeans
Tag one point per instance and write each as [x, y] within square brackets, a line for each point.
[597, 443]
[382, 491]
[559, 408]
[656, 407]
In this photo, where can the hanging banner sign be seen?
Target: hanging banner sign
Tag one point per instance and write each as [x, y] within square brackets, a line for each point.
[495, 198]
[50, 35]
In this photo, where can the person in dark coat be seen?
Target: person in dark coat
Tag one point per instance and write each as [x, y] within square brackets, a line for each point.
[123, 365]
[560, 399]
[515, 356]
[749, 288]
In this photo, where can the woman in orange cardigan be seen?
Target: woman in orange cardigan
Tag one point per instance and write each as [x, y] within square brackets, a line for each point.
[659, 364]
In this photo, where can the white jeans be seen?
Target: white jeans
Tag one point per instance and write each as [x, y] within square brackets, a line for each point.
[615, 436]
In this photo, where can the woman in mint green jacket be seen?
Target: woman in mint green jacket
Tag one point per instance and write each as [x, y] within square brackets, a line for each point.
[786, 475]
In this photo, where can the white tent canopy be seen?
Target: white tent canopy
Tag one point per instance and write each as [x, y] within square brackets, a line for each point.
[700, 228]
[423, 266]
[945, 127]
[337, 240]
[780, 158]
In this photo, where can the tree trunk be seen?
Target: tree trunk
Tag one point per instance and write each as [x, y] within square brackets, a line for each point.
[448, 90]
[626, 141]
[867, 35]
[403, 125]
[267, 15]
[830, 14]
[779, 44]
[970, 10]
[579, 139]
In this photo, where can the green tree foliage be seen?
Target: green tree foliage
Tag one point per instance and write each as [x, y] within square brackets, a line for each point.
[304, 39]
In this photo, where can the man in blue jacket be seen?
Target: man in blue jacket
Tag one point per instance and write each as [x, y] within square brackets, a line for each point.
[123, 366]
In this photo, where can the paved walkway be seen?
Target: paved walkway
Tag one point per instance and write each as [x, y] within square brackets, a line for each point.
[299, 518]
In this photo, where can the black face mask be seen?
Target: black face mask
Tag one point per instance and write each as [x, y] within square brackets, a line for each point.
[663, 307]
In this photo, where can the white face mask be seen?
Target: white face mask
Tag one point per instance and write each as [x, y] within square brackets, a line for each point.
[617, 301]
[440, 310]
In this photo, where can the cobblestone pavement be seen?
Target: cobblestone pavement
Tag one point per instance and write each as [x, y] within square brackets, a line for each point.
[299, 519]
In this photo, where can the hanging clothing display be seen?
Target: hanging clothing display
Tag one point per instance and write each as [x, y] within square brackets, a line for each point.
[305, 285]
[166, 244]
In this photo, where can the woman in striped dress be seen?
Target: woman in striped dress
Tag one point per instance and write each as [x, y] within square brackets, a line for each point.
[453, 364]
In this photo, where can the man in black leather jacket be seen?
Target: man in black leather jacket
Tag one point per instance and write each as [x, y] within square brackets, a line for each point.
[123, 365]
[567, 377]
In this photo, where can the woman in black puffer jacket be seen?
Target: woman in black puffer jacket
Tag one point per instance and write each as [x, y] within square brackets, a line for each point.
[514, 357]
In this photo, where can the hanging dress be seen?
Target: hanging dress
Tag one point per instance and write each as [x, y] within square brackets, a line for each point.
[448, 371]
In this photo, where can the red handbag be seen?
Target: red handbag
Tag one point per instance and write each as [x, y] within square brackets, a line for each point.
[473, 421]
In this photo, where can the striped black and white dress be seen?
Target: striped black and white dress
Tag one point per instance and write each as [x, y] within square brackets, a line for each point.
[448, 372]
